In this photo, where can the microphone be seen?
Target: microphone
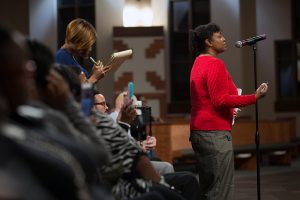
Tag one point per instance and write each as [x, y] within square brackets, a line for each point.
[250, 41]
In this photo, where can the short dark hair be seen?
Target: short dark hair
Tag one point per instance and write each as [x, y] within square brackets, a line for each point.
[200, 34]
[95, 92]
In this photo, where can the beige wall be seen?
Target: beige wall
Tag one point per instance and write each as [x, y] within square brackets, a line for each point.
[226, 13]
[274, 19]
[108, 14]
[34, 18]
[43, 22]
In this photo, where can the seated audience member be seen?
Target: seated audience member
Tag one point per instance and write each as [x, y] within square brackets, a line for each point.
[63, 166]
[138, 128]
[100, 102]
[184, 181]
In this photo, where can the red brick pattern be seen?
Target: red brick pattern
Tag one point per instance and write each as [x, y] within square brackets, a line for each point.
[122, 81]
[155, 80]
[154, 48]
[119, 45]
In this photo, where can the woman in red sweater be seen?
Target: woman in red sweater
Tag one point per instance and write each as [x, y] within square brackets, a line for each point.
[213, 99]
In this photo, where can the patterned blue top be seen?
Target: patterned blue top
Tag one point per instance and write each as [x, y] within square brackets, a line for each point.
[64, 57]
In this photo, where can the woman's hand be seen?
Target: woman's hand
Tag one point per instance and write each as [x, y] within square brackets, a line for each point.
[149, 143]
[98, 72]
[127, 113]
[261, 91]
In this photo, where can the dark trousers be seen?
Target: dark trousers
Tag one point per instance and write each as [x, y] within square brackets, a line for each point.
[186, 183]
[150, 196]
[166, 193]
[215, 166]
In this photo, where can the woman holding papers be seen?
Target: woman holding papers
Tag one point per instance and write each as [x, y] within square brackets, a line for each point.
[79, 39]
[213, 99]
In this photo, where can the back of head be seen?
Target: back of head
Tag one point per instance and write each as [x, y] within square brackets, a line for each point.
[71, 77]
[14, 76]
[43, 59]
[200, 34]
[80, 35]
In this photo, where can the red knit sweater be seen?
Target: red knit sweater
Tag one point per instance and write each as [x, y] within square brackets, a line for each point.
[213, 95]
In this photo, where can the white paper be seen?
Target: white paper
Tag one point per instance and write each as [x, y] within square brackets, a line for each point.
[117, 59]
[239, 90]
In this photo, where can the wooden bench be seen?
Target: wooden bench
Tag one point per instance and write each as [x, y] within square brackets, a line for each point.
[276, 138]
[275, 141]
[276, 154]
[171, 138]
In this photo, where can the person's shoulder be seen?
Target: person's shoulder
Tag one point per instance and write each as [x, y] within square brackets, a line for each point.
[208, 58]
[61, 51]
[61, 54]
[209, 61]
[215, 65]
[215, 60]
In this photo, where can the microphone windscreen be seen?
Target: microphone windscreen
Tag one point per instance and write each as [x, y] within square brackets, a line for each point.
[239, 44]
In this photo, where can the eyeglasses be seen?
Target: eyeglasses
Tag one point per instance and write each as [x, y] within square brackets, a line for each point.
[103, 103]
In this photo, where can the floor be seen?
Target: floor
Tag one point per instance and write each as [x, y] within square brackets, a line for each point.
[276, 183]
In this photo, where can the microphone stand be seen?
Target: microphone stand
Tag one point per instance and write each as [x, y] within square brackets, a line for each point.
[257, 136]
[150, 120]
[151, 153]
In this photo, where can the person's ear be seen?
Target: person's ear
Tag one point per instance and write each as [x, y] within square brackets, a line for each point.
[208, 42]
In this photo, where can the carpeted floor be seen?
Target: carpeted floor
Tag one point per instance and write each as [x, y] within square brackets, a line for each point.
[277, 183]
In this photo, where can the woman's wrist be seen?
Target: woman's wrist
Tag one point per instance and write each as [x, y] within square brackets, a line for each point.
[91, 80]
